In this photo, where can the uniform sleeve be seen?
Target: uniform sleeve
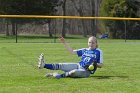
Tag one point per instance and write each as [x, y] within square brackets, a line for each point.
[99, 56]
[79, 52]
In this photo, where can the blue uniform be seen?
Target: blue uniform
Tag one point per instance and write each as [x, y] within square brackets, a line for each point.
[89, 56]
[79, 69]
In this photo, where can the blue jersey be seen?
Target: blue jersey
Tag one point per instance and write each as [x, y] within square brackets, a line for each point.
[89, 56]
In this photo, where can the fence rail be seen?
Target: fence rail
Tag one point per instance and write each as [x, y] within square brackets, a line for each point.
[124, 28]
[67, 17]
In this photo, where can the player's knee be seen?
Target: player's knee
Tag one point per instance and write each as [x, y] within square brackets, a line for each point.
[73, 73]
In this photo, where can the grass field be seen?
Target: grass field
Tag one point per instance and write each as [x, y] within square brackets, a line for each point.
[19, 74]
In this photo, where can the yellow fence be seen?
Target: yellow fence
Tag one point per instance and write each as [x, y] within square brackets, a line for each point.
[67, 17]
[124, 35]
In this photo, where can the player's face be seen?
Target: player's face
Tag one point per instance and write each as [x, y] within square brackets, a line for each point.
[92, 44]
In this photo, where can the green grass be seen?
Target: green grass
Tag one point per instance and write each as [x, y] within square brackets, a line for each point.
[18, 72]
[46, 39]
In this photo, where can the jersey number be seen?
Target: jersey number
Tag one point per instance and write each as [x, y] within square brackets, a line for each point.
[87, 59]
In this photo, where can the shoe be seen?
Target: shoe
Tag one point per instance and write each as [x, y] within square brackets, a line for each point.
[49, 75]
[55, 75]
[41, 62]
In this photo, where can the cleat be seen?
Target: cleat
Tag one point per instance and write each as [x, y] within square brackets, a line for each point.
[49, 75]
[55, 75]
[41, 62]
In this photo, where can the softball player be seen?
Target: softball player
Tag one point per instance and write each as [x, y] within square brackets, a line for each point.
[89, 56]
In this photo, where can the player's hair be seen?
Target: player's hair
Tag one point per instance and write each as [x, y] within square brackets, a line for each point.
[94, 38]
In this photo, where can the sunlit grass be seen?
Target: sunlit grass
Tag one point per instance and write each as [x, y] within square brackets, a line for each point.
[18, 71]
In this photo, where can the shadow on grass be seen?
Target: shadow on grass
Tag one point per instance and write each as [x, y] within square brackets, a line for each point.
[108, 77]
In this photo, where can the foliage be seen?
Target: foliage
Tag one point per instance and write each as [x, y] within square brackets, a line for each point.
[28, 7]
[121, 8]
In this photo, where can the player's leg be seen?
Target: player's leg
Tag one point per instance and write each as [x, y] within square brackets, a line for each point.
[60, 66]
[41, 61]
[56, 75]
[66, 67]
[76, 73]
[80, 73]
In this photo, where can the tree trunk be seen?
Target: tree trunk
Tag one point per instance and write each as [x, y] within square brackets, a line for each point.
[7, 27]
[13, 27]
[50, 28]
[80, 11]
[50, 34]
[64, 20]
[95, 12]
[95, 4]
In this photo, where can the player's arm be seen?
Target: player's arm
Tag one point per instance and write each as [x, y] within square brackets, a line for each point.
[100, 64]
[67, 46]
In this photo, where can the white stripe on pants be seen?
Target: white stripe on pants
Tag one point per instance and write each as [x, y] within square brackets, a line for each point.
[74, 69]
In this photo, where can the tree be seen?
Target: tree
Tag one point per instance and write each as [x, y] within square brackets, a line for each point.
[80, 11]
[95, 5]
[121, 8]
[27, 7]
[64, 20]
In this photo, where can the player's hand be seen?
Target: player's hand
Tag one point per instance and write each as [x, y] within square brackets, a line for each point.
[62, 39]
